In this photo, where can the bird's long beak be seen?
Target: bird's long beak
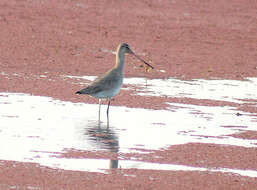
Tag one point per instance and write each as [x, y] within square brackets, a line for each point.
[131, 52]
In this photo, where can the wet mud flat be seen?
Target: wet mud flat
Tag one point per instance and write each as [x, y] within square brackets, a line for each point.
[45, 134]
[190, 123]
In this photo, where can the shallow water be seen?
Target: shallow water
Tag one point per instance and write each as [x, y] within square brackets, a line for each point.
[37, 128]
[103, 166]
[236, 91]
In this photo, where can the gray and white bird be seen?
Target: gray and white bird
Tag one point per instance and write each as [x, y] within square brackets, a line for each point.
[109, 85]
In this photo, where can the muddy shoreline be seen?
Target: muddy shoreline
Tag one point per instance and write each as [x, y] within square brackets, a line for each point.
[44, 40]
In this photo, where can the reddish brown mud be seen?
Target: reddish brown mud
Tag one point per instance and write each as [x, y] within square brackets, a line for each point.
[185, 39]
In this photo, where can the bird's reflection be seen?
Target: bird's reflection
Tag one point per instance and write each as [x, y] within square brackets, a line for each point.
[104, 139]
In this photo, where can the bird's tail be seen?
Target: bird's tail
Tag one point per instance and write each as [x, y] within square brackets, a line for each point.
[83, 91]
[78, 92]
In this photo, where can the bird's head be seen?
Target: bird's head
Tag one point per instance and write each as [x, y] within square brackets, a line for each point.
[125, 48]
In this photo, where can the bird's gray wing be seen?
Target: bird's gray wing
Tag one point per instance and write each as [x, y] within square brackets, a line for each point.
[102, 83]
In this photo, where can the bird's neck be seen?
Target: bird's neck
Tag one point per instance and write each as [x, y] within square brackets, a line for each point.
[120, 60]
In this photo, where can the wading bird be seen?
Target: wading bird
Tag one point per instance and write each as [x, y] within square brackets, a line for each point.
[109, 85]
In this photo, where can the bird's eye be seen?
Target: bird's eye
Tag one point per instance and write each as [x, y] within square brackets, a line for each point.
[126, 46]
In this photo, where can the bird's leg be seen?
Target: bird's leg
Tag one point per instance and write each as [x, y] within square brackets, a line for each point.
[109, 101]
[99, 111]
